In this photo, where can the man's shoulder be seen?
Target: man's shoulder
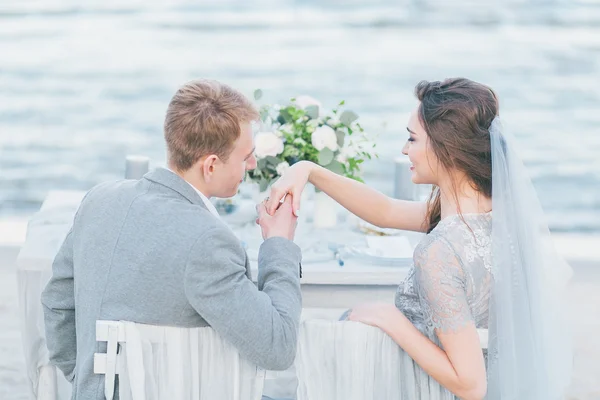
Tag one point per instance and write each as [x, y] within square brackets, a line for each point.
[152, 205]
[106, 188]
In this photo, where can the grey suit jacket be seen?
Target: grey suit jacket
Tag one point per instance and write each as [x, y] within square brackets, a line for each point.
[149, 251]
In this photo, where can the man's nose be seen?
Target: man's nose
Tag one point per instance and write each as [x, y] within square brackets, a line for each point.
[251, 164]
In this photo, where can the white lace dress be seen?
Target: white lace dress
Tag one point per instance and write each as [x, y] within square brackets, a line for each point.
[448, 286]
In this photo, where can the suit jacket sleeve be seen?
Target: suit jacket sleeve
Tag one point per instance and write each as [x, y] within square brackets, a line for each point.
[262, 323]
[58, 303]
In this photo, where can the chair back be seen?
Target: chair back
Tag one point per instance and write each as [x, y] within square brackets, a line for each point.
[345, 360]
[160, 362]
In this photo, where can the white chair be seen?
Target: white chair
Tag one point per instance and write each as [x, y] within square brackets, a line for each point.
[159, 362]
[342, 360]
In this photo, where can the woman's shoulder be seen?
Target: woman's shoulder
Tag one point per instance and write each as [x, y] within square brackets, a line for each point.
[462, 229]
[464, 237]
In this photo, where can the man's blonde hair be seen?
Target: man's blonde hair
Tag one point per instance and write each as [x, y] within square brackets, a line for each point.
[204, 118]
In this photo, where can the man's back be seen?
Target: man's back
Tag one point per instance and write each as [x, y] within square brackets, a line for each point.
[150, 251]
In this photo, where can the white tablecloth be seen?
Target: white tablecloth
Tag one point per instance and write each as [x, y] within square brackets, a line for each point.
[45, 234]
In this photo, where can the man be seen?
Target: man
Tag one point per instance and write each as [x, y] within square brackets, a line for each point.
[154, 251]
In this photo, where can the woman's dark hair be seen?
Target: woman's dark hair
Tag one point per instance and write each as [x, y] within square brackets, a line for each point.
[456, 115]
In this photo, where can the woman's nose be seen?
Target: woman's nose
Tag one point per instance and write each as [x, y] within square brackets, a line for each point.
[405, 149]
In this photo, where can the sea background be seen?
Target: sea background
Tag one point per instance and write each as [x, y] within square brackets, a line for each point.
[82, 85]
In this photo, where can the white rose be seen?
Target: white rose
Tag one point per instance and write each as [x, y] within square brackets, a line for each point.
[267, 144]
[324, 137]
[346, 152]
[305, 101]
[282, 167]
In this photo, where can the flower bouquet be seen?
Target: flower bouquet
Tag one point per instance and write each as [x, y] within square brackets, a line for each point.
[302, 130]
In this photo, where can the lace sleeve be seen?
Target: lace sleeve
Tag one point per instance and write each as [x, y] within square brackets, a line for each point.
[441, 287]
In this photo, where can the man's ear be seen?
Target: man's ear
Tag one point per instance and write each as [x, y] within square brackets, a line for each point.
[208, 167]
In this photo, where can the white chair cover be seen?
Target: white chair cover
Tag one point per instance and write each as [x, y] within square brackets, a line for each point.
[348, 361]
[45, 234]
[344, 360]
[158, 363]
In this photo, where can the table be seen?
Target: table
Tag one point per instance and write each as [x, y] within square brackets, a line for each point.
[325, 286]
[45, 233]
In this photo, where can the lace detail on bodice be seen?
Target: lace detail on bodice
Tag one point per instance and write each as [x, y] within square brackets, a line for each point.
[478, 245]
[450, 282]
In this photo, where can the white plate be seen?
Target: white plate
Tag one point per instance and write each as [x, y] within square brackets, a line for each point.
[307, 256]
[371, 256]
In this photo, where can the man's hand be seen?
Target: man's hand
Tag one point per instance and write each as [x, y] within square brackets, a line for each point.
[282, 223]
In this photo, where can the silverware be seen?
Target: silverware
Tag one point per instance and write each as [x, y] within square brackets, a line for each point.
[336, 253]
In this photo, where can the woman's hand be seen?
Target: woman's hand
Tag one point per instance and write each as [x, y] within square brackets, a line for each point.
[376, 314]
[290, 184]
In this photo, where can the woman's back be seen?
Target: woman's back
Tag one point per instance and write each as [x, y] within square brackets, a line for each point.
[450, 283]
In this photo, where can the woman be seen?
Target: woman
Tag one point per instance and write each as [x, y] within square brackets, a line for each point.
[468, 273]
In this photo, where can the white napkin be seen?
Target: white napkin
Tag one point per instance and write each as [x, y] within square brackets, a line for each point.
[390, 246]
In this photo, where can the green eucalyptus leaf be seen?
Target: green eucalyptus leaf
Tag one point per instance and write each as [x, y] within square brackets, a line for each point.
[341, 135]
[314, 123]
[261, 164]
[258, 94]
[325, 157]
[348, 117]
[312, 111]
[336, 166]
[284, 113]
[264, 114]
[263, 184]
[274, 161]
